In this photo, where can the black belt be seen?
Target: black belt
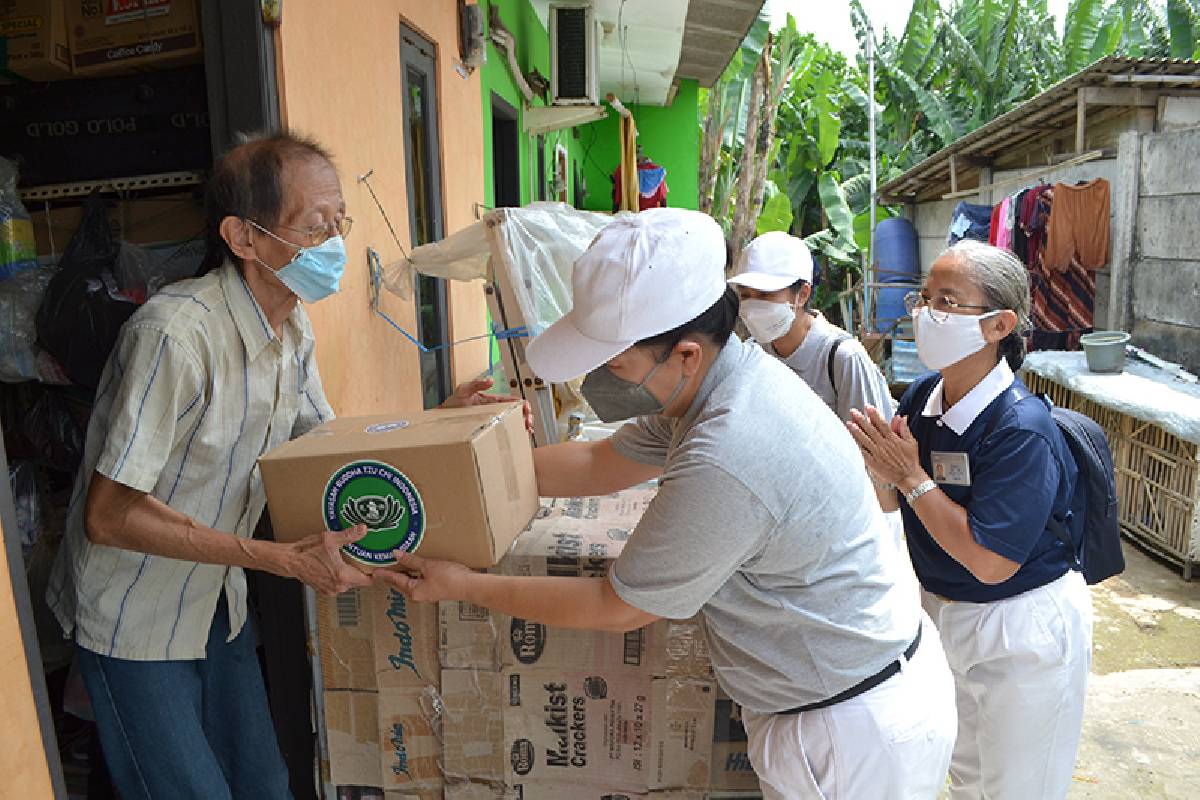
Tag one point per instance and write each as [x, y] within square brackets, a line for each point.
[865, 686]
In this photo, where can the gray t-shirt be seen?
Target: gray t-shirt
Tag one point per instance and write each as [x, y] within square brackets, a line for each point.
[765, 520]
[857, 381]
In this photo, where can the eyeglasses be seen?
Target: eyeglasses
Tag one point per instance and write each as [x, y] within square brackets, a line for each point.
[940, 310]
[318, 234]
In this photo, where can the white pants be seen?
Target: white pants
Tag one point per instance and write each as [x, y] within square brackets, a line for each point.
[890, 743]
[1020, 675]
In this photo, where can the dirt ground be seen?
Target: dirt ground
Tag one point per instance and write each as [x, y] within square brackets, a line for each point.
[1141, 729]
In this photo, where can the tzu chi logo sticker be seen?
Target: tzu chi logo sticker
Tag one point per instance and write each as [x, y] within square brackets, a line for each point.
[381, 497]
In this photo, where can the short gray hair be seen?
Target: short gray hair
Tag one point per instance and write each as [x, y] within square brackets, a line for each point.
[1004, 282]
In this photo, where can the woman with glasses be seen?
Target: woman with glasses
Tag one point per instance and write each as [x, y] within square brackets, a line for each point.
[1014, 617]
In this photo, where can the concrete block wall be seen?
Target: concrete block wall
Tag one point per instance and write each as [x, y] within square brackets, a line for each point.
[1164, 278]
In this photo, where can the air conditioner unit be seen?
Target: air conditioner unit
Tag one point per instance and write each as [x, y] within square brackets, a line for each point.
[573, 55]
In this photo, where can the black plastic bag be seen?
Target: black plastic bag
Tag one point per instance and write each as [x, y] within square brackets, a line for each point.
[83, 311]
[55, 432]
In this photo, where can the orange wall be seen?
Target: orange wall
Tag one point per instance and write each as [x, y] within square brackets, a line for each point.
[340, 82]
[23, 769]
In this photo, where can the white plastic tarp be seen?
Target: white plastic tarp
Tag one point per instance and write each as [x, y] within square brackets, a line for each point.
[1141, 391]
[539, 244]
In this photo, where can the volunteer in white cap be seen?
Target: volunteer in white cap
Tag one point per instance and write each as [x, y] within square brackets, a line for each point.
[764, 522]
[775, 283]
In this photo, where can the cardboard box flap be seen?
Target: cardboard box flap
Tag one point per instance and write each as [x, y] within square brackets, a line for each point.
[506, 473]
[436, 427]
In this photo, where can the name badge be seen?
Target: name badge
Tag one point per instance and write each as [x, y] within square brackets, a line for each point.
[951, 468]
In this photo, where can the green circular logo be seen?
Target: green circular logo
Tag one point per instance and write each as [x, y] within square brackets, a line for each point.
[381, 497]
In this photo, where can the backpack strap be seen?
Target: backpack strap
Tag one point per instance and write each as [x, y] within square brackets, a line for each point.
[1054, 524]
[829, 362]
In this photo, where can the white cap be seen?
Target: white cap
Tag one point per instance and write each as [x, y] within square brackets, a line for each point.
[772, 262]
[644, 274]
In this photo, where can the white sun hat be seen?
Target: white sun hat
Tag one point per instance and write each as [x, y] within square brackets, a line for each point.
[644, 274]
[772, 262]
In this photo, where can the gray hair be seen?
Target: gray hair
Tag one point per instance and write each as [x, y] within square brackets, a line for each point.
[1004, 282]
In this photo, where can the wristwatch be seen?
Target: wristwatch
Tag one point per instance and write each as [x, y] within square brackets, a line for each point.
[922, 488]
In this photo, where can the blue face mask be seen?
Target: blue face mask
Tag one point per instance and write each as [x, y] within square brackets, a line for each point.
[315, 272]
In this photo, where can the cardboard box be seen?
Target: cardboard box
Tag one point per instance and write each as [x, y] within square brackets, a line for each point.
[582, 728]
[374, 638]
[473, 725]
[454, 484]
[618, 730]
[35, 33]
[474, 638]
[682, 733]
[352, 727]
[345, 633]
[572, 537]
[479, 791]
[410, 750]
[114, 36]
[165, 219]
[559, 791]
[731, 770]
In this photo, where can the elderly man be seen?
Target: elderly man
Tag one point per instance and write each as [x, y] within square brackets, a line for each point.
[205, 378]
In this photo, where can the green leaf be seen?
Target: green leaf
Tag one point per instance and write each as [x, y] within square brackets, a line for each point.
[858, 192]
[1179, 20]
[1082, 28]
[776, 214]
[825, 241]
[836, 208]
[829, 123]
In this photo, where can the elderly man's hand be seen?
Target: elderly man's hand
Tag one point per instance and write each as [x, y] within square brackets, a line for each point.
[471, 393]
[317, 561]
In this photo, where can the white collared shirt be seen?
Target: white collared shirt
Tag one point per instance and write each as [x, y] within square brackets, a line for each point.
[198, 386]
[960, 415]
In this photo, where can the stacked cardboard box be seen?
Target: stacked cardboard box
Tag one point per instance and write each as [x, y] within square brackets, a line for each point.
[35, 38]
[119, 36]
[486, 707]
[731, 775]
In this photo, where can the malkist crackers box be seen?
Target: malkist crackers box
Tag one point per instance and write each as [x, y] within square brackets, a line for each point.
[35, 34]
[454, 484]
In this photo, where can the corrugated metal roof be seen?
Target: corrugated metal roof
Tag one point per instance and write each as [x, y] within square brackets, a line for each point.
[1047, 112]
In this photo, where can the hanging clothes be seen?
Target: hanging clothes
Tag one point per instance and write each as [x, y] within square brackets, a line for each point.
[969, 221]
[1020, 236]
[651, 187]
[625, 188]
[1079, 223]
[1004, 230]
[1062, 301]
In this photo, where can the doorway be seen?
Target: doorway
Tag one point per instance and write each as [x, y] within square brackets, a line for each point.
[506, 154]
[417, 58]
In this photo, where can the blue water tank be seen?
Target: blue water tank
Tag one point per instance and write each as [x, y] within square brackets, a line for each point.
[889, 311]
[897, 257]
[897, 260]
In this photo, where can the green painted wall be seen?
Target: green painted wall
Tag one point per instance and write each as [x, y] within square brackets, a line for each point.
[670, 136]
[533, 52]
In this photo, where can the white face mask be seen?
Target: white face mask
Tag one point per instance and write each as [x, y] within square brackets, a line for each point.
[765, 320]
[941, 344]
